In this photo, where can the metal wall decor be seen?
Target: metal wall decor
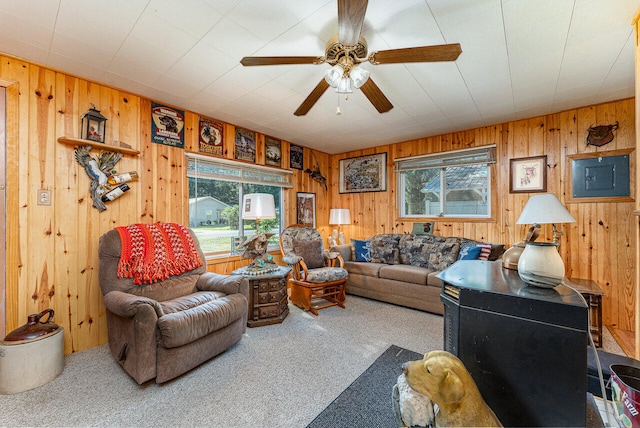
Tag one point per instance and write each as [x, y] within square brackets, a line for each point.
[167, 125]
[210, 137]
[245, 145]
[273, 152]
[600, 135]
[296, 157]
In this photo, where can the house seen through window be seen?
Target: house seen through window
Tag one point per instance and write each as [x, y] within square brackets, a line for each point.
[450, 184]
[216, 190]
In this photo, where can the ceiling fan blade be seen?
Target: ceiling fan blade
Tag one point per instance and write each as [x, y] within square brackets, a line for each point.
[375, 95]
[280, 60]
[350, 19]
[313, 97]
[418, 54]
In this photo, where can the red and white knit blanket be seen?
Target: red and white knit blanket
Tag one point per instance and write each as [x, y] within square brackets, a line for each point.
[154, 252]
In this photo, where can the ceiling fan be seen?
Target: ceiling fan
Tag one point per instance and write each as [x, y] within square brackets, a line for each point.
[347, 50]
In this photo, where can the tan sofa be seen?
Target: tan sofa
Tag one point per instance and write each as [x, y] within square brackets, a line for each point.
[165, 329]
[403, 267]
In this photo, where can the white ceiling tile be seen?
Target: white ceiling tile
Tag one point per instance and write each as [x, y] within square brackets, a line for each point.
[194, 17]
[519, 58]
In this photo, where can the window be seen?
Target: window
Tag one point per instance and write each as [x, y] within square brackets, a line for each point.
[450, 184]
[216, 190]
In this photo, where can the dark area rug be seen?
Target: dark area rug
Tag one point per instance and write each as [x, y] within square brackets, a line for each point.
[367, 401]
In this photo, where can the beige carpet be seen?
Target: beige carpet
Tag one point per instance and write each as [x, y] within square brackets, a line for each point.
[277, 376]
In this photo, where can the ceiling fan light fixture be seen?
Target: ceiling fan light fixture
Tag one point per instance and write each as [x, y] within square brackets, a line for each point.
[359, 76]
[345, 86]
[333, 75]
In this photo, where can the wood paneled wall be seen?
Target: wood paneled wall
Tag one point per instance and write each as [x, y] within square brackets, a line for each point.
[52, 250]
[601, 245]
[52, 259]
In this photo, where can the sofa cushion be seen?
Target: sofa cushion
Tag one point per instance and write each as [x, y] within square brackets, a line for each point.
[496, 249]
[485, 251]
[310, 251]
[469, 252]
[186, 326]
[414, 249]
[362, 250]
[432, 252]
[405, 273]
[368, 269]
[384, 249]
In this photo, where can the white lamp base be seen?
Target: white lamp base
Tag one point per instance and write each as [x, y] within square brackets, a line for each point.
[540, 265]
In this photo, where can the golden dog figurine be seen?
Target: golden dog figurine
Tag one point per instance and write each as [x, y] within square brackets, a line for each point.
[442, 377]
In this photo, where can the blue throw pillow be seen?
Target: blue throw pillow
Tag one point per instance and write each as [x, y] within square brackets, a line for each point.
[363, 250]
[469, 252]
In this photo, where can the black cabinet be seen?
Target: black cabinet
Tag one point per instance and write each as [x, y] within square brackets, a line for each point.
[523, 345]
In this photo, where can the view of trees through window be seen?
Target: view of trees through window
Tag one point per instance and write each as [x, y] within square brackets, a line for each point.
[214, 213]
[466, 191]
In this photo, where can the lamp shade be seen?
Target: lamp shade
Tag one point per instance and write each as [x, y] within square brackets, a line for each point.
[333, 75]
[345, 86]
[545, 208]
[258, 206]
[339, 216]
[359, 76]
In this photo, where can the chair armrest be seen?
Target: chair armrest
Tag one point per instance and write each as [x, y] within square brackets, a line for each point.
[228, 284]
[344, 250]
[334, 258]
[127, 305]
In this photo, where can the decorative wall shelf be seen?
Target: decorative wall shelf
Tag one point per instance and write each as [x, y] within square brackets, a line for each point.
[80, 142]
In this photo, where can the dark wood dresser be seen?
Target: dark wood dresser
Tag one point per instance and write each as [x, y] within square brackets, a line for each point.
[268, 300]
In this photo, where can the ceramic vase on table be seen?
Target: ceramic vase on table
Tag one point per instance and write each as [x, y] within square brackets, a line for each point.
[540, 265]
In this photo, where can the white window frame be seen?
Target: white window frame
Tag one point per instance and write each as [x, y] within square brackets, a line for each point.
[241, 173]
[484, 155]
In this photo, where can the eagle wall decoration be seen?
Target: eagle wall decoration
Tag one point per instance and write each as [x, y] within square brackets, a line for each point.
[98, 169]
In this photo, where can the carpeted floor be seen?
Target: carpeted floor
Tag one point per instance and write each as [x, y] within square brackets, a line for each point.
[367, 401]
[281, 375]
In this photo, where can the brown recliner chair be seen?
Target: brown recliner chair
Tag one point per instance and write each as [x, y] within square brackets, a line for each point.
[163, 329]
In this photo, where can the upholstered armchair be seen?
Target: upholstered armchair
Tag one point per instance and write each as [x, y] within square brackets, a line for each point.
[165, 313]
[318, 278]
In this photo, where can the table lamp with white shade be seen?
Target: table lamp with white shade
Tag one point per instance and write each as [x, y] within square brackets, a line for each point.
[339, 216]
[540, 263]
[258, 206]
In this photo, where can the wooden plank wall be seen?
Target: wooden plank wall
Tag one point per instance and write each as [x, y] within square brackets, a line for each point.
[52, 259]
[601, 245]
[52, 250]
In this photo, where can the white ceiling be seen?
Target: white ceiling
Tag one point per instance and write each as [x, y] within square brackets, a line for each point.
[520, 58]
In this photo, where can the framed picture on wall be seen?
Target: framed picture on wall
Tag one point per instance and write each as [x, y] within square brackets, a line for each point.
[273, 152]
[210, 136]
[306, 209]
[364, 174]
[528, 175]
[296, 157]
[245, 145]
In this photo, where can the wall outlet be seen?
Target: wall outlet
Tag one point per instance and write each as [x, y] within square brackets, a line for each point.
[44, 197]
